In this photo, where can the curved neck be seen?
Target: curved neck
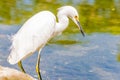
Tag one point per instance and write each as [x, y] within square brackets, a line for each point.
[62, 23]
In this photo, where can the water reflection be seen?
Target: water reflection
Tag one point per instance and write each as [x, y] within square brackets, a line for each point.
[118, 53]
[95, 15]
[118, 57]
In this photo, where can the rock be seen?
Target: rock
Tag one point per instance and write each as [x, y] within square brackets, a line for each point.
[12, 74]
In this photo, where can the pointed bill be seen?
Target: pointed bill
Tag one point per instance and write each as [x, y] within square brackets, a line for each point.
[80, 27]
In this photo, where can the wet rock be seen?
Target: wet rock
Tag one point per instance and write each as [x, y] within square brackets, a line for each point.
[12, 74]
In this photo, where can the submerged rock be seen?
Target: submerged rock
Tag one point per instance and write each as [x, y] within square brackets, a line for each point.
[12, 74]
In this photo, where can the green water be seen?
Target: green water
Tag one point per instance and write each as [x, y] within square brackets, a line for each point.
[95, 15]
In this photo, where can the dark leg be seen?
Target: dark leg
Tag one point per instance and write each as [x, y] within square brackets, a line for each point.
[21, 67]
[38, 65]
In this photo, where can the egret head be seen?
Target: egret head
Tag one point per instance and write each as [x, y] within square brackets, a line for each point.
[72, 13]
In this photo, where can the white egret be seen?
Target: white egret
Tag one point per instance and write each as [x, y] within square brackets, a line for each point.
[37, 31]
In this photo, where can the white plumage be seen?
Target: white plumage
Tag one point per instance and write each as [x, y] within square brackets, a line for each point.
[33, 35]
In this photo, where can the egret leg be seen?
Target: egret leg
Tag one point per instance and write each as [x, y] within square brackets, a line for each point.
[21, 67]
[38, 65]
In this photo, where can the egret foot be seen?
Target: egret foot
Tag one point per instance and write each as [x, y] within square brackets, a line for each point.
[21, 67]
[38, 72]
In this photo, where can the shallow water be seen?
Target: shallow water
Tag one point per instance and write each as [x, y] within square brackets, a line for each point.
[89, 58]
[69, 56]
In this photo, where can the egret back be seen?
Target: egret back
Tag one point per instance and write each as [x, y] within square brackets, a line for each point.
[33, 35]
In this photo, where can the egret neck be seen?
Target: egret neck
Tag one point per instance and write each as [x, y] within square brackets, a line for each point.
[62, 23]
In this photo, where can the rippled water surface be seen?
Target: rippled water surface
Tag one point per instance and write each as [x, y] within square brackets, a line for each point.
[88, 58]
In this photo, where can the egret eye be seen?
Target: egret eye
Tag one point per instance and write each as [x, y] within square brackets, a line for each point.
[76, 17]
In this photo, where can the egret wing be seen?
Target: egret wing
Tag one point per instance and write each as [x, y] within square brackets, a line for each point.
[33, 35]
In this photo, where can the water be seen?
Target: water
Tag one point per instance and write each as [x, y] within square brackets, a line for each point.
[90, 58]
[69, 56]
